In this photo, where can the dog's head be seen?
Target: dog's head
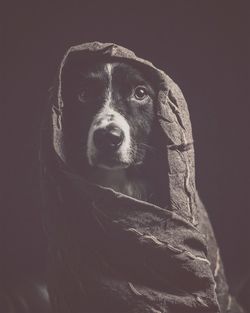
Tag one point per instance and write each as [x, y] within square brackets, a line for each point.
[108, 114]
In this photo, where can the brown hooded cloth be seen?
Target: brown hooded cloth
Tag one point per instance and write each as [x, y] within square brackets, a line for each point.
[110, 253]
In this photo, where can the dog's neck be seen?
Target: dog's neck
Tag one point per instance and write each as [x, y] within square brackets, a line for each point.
[120, 180]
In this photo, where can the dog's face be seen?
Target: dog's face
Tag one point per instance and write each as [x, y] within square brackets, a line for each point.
[108, 114]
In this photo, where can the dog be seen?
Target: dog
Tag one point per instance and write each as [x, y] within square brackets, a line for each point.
[111, 134]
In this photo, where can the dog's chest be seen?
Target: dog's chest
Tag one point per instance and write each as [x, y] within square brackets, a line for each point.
[120, 181]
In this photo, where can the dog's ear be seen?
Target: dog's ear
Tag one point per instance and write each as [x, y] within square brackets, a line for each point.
[173, 117]
[71, 66]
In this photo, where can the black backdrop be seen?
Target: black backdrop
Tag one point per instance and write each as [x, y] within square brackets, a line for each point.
[202, 45]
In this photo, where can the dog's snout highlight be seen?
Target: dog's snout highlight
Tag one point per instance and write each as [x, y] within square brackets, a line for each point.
[110, 137]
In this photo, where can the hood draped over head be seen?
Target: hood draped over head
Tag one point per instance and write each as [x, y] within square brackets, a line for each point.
[112, 253]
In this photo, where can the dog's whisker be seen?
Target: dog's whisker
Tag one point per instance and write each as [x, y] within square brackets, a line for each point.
[147, 146]
[142, 151]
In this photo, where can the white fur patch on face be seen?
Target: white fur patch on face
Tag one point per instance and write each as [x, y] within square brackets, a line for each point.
[106, 116]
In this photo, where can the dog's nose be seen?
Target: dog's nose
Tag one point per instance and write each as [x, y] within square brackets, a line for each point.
[110, 137]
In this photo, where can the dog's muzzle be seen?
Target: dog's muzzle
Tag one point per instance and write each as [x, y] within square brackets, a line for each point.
[109, 138]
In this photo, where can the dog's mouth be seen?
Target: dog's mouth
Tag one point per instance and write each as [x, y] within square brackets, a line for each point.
[108, 160]
[114, 161]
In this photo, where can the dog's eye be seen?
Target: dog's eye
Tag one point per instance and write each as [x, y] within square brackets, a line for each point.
[89, 91]
[140, 93]
[81, 96]
[87, 94]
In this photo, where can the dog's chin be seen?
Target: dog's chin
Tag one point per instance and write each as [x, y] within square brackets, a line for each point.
[118, 165]
[109, 163]
[113, 162]
[112, 167]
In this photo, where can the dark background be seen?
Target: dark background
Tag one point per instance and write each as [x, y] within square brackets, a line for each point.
[202, 45]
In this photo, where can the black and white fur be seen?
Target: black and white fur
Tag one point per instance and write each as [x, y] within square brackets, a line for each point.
[110, 127]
